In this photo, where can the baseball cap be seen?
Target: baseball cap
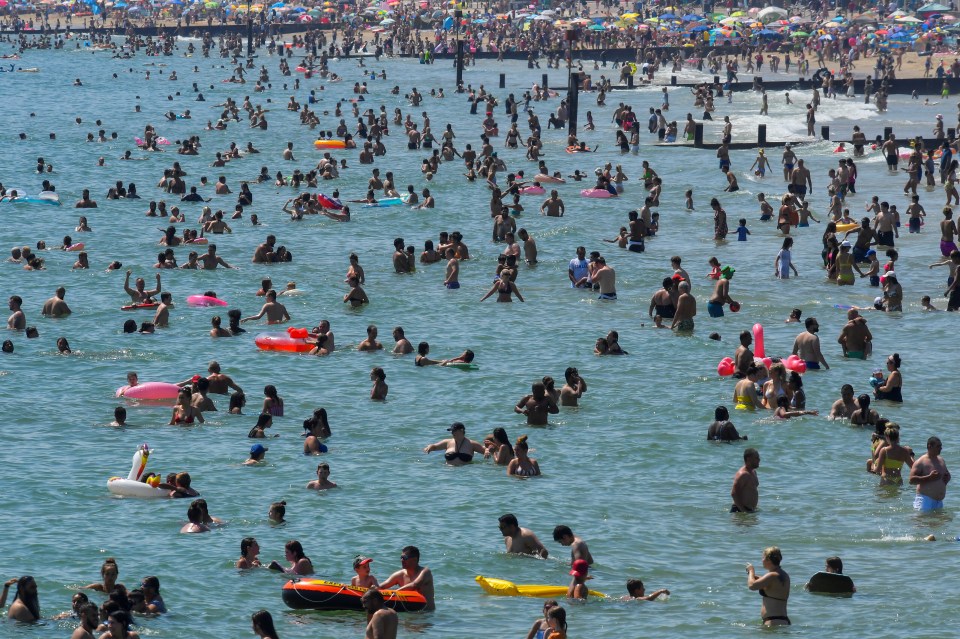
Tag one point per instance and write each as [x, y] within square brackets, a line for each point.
[258, 449]
[457, 426]
[360, 560]
[579, 568]
[195, 379]
[845, 244]
[870, 252]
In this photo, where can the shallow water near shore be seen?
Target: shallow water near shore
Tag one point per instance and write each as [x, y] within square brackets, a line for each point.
[629, 470]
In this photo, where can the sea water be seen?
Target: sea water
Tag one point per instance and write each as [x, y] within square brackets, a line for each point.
[629, 470]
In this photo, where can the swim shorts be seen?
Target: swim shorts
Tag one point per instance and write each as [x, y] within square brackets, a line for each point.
[684, 326]
[452, 285]
[635, 247]
[946, 248]
[714, 309]
[855, 355]
[607, 296]
[885, 238]
[926, 504]
[799, 190]
[813, 366]
[724, 164]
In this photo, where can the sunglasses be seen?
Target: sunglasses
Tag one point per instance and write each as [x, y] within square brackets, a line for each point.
[404, 557]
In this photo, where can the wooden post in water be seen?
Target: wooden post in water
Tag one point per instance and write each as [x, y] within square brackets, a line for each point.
[630, 81]
[503, 80]
[887, 130]
[825, 132]
[673, 80]
[698, 135]
[543, 82]
[761, 135]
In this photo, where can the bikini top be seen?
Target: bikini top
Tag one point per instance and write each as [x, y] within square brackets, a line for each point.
[456, 455]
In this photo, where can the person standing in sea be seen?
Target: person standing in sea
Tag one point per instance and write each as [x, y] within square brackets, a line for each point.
[745, 490]
[930, 475]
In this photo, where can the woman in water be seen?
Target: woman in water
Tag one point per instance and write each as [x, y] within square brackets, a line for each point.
[300, 564]
[108, 573]
[459, 449]
[249, 549]
[864, 415]
[316, 428]
[499, 447]
[237, 401]
[505, 290]
[423, 348]
[890, 389]
[522, 465]
[195, 520]
[272, 402]
[263, 625]
[277, 512]
[118, 626]
[541, 626]
[380, 388]
[891, 457]
[264, 421]
[774, 588]
[776, 386]
[184, 412]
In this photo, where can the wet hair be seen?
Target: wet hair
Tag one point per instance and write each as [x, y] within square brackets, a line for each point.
[562, 531]
[280, 508]
[110, 562]
[295, 548]
[863, 401]
[237, 400]
[373, 595]
[413, 552]
[508, 519]
[835, 564]
[720, 413]
[245, 544]
[500, 436]
[560, 615]
[795, 380]
[634, 586]
[522, 443]
[379, 373]
[895, 358]
[846, 389]
[31, 601]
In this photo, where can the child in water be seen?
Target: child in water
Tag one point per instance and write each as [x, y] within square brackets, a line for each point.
[689, 199]
[742, 230]
[363, 577]
[636, 590]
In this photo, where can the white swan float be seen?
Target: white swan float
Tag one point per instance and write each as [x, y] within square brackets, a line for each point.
[132, 486]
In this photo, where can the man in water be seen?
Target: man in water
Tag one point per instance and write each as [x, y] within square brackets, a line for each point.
[578, 547]
[451, 278]
[403, 345]
[930, 475]
[686, 309]
[606, 278]
[412, 576]
[210, 260]
[140, 295]
[220, 383]
[89, 620]
[573, 389]
[275, 311]
[579, 269]
[743, 356]
[807, 346]
[745, 490]
[55, 306]
[721, 293]
[800, 181]
[381, 621]
[520, 541]
[855, 338]
[161, 319]
[17, 320]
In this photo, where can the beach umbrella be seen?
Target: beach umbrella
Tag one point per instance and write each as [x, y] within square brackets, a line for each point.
[692, 17]
[827, 37]
[305, 18]
[799, 34]
[909, 19]
[277, 5]
[315, 13]
[950, 18]
[548, 12]
[596, 27]
[882, 32]
[729, 21]
[387, 22]
[700, 27]
[737, 14]
[668, 16]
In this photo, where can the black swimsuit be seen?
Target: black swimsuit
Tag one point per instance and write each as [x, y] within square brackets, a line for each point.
[465, 458]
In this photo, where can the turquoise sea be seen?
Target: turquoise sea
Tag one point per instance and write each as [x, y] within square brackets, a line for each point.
[629, 471]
